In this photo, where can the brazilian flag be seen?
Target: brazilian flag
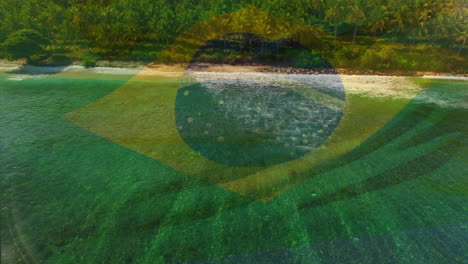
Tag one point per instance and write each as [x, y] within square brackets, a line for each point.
[172, 165]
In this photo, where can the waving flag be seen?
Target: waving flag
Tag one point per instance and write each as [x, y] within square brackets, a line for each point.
[176, 165]
[255, 135]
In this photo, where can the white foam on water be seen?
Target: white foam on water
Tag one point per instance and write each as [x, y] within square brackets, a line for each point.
[27, 69]
[112, 70]
[8, 68]
[374, 86]
[21, 77]
[446, 77]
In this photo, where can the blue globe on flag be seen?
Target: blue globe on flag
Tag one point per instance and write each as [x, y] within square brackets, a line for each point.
[249, 119]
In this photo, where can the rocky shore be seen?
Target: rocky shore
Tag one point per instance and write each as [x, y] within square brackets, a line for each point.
[292, 70]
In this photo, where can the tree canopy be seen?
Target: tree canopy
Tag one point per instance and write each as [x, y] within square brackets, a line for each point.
[23, 43]
[113, 28]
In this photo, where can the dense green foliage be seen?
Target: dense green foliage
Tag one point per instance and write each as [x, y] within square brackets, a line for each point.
[139, 29]
[23, 43]
[380, 56]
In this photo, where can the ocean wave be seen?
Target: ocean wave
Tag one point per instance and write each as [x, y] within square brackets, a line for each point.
[373, 86]
[21, 77]
[38, 70]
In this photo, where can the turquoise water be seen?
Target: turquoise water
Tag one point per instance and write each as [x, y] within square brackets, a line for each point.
[69, 196]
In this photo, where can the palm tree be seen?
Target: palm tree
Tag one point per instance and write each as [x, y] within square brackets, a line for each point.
[461, 26]
[398, 19]
[335, 15]
[378, 19]
[462, 38]
[356, 16]
[318, 6]
[419, 16]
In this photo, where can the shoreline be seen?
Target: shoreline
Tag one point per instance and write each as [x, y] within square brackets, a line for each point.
[369, 85]
[132, 68]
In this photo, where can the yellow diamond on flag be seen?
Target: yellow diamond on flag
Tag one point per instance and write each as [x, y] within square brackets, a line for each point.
[144, 115]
